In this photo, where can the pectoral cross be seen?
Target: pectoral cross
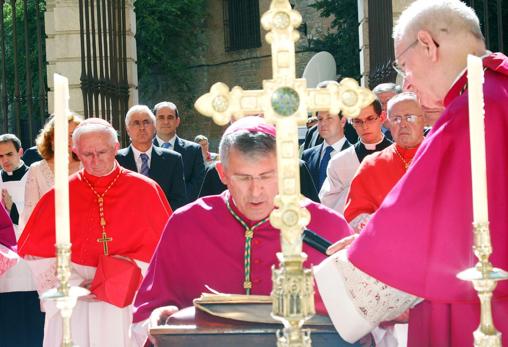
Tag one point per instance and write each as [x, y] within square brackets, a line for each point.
[285, 102]
[105, 239]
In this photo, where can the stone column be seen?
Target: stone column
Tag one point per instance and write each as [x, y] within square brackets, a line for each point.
[363, 12]
[63, 50]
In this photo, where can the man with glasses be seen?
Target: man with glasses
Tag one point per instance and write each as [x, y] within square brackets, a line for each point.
[226, 241]
[380, 171]
[162, 165]
[420, 238]
[343, 166]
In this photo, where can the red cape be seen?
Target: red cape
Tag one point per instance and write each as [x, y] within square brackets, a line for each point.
[376, 176]
[135, 210]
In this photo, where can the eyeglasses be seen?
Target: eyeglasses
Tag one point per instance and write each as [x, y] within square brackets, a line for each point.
[368, 121]
[399, 69]
[410, 118]
[248, 179]
[138, 123]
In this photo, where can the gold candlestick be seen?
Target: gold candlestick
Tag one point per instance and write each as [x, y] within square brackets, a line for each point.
[483, 275]
[484, 278]
[64, 295]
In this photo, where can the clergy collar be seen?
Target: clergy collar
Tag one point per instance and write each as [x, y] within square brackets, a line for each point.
[229, 197]
[372, 146]
[407, 153]
[106, 177]
[10, 173]
[459, 83]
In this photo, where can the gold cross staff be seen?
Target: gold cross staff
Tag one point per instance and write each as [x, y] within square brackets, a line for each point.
[285, 102]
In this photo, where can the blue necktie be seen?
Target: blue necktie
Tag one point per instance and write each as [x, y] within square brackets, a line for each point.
[144, 164]
[323, 165]
[166, 145]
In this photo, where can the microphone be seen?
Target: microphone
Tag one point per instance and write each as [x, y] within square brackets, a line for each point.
[315, 241]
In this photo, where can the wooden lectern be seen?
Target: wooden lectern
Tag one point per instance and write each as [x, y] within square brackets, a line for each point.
[195, 328]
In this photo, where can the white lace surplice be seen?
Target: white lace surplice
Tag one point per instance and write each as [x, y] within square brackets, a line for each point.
[39, 181]
[93, 322]
[356, 302]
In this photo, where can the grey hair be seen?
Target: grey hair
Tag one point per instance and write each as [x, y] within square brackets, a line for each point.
[166, 104]
[139, 109]
[200, 138]
[406, 96]
[92, 127]
[449, 16]
[254, 144]
[387, 88]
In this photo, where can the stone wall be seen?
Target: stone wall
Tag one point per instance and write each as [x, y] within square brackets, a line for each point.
[245, 68]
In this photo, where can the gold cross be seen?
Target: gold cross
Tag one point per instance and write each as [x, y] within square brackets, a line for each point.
[285, 102]
[105, 239]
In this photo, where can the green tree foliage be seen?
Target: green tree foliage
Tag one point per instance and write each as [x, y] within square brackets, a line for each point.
[17, 60]
[342, 39]
[169, 38]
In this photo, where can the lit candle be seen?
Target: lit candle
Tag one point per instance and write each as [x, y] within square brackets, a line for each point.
[61, 140]
[477, 139]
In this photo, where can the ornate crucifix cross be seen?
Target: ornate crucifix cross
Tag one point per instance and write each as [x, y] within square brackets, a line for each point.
[285, 102]
[105, 239]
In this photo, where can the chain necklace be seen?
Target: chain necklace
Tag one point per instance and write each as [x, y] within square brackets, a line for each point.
[404, 161]
[249, 233]
[100, 201]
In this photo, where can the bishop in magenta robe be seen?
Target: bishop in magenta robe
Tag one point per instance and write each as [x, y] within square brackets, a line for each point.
[203, 245]
[421, 237]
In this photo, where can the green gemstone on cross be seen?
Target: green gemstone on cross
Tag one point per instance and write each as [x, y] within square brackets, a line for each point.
[285, 101]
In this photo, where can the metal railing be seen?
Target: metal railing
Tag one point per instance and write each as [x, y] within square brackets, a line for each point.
[104, 80]
[23, 86]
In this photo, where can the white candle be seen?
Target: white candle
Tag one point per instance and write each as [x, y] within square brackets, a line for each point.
[61, 140]
[477, 138]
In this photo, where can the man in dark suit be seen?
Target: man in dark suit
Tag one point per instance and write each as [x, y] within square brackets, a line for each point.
[163, 166]
[166, 123]
[331, 130]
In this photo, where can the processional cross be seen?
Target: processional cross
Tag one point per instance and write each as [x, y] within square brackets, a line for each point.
[285, 101]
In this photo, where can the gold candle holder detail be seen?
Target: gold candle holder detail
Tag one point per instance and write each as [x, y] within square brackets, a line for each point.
[484, 278]
[64, 296]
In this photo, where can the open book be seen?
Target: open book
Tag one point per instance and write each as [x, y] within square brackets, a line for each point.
[246, 308]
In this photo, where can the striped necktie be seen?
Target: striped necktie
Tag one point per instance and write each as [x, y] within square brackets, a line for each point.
[144, 164]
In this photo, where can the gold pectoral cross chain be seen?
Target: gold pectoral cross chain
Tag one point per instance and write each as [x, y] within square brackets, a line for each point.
[104, 239]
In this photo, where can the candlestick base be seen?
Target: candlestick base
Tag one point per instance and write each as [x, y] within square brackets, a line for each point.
[64, 296]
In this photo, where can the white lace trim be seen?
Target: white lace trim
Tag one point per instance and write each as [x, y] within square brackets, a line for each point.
[374, 300]
[360, 221]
